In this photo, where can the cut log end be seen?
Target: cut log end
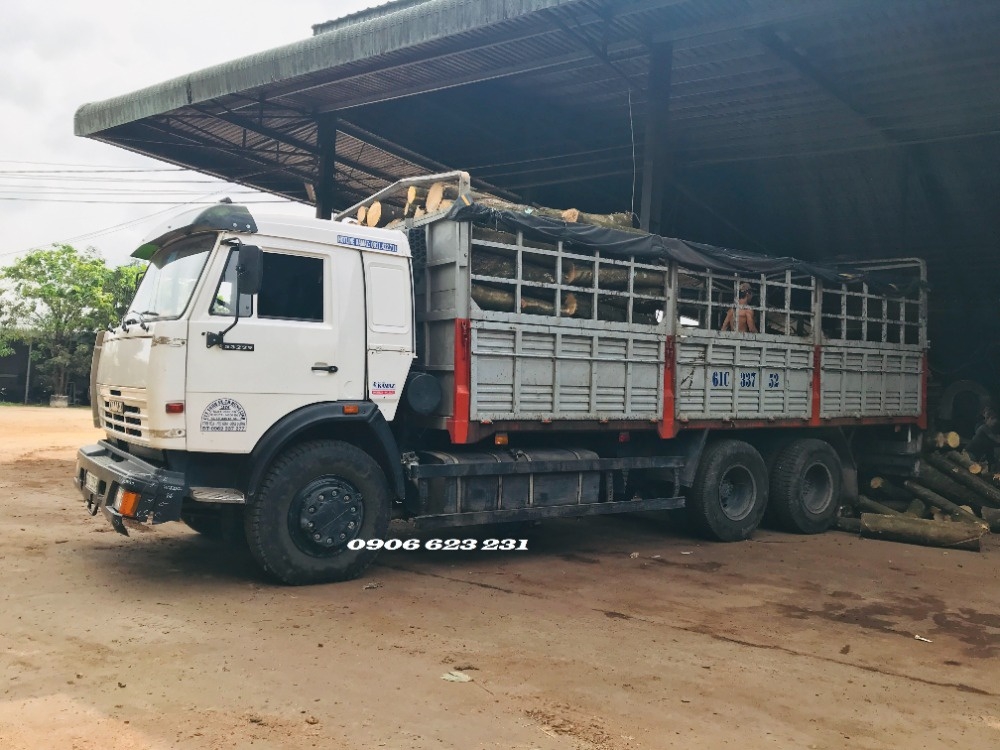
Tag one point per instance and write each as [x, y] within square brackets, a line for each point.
[437, 193]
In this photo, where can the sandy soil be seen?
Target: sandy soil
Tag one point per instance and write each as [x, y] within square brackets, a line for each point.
[608, 634]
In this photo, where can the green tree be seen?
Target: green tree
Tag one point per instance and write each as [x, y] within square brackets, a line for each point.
[57, 298]
[122, 283]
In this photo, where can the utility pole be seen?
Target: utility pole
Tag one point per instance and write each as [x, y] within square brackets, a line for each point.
[27, 375]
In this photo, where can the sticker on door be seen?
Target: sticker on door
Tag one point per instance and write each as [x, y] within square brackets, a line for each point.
[224, 415]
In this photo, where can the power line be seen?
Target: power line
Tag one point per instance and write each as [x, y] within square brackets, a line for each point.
[132, 203]
[54, 190]
[87, 178]
[70, 164]
[85, 171]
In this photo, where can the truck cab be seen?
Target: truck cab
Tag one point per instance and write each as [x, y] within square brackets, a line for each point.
[200, 376]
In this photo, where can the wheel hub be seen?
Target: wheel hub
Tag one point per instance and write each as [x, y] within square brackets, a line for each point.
[737, 490]
[325, 515]
[817, 489]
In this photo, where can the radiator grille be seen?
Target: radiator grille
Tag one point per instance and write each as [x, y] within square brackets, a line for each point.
[123, 412]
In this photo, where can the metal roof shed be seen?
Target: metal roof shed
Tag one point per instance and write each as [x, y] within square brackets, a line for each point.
[816, 129]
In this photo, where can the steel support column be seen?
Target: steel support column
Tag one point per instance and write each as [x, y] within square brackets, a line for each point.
[657, 161]
[326, 185]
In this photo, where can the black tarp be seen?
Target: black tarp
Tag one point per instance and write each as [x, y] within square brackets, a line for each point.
[651, 248]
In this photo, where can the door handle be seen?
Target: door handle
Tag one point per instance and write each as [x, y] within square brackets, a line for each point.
[324, 368]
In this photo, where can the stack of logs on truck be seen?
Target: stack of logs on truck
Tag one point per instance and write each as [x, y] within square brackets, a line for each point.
[949, 500]
[676, 374]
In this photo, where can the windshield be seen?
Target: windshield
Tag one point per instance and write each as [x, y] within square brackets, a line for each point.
[171, 277]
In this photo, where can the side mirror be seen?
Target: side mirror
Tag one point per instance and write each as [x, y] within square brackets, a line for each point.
[249, 270]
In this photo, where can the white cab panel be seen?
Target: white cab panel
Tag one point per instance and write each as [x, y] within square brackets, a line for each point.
[234, 397]
[139, 372]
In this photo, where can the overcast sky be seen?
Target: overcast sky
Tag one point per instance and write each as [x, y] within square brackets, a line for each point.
[59, 54]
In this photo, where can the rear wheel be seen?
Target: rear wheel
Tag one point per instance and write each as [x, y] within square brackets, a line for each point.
[729, 494]
[314, 500]
[805, 486]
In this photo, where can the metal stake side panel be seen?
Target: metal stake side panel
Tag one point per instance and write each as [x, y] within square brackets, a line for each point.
[726, 376]
[873, 344]
[871, 380]
[559, 333]
[548, 372]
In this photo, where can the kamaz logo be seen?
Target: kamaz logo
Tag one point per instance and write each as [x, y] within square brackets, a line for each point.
[380, 388]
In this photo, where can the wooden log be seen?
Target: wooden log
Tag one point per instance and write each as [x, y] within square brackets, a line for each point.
[416, 194]
[502, 300]
[850, 525]
[438, 192]
[963, 459]
[938, 501]
[615, 310]
[581, 273]
[485, 263]
[992, 517]
[947, 440]
[899, 506]
[868, 505]
[923, 532]
[621, 220]
[916, 509]
[420, 212]
[944, 485]
[961, 475]
[362, 214]
[445, 205]
[380, 214]
[485, 200]
[493, 235]
[887, 489]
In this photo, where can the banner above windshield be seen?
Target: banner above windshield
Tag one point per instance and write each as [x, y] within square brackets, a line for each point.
[220, 217]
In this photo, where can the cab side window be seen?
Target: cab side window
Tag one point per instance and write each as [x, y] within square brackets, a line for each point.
[292, 288]
[222, 302]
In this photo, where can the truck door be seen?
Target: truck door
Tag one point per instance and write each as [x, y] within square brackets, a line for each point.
[299, 341]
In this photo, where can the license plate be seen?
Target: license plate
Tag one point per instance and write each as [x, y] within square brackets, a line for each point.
[92, 482]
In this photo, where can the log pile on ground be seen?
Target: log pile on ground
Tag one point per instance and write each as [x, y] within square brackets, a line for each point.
[951, 502]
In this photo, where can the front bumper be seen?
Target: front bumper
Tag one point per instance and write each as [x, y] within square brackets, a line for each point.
[108, 469]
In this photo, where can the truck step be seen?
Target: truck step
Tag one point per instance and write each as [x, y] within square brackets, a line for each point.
[218, 495]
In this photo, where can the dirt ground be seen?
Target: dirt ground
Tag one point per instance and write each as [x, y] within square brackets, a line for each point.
[608, 634]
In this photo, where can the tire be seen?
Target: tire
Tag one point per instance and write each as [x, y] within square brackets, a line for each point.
[805, 487]
[209, 526]
[220, 525]
[311, 481]
[729, 494]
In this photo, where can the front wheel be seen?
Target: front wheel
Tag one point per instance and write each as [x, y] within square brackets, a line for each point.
[729, 494]
[314, 500]
[218, 524]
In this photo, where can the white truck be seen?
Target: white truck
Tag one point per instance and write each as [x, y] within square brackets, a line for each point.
[299, 382]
